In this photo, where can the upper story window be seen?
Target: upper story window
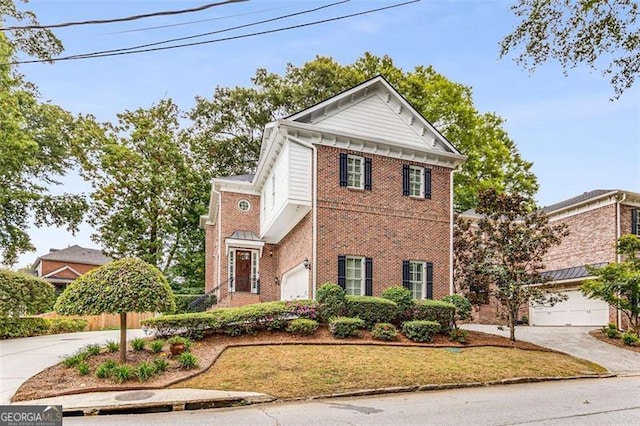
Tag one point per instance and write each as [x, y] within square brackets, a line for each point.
[355, 171]
[416, 181]
[244, 205]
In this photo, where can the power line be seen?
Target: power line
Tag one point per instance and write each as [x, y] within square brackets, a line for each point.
[141, 46]
[92, 55]
[124, 19]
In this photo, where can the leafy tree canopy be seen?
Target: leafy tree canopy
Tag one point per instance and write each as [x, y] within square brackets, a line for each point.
[618, 284]
[228, 127]
[23, 294]
[604, 34]
[501, 252]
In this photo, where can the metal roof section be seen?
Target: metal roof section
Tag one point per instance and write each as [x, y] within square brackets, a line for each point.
[244, 235]
[573, 273]
[241, 239]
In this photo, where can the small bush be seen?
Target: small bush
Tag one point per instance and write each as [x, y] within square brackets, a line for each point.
[331, 301]
[384, 331]
[75, 359]
[92, 349]
[629, 338]
[188, 361]
[122, 373]
[113, 346]
[371, 310]
[437, 311]
[458, 335]
[343, 327]
[404, 300]
[302, 326]
[611, 330]
[83, 368]
[420, 331]
[105, 369]
[463, 307]
[156, 346]
[144, 371]
[160, 364]
[66, 325]
[138, 344]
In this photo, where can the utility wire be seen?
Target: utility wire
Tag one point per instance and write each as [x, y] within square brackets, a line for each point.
[124, 19]
[308, 24]
[142, 46]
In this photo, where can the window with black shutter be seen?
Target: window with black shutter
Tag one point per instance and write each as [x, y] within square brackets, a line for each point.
[368, 276]
[342, 271]
[427, 183]
[405, 179]
[343, 169]
[429, 280]
[367, 174]
[635, 227]
[405, 275]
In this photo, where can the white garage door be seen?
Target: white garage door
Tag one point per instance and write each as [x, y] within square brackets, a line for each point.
[295, 284]
[576, 310]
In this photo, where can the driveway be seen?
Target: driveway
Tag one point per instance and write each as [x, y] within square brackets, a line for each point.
[22, 358]
[574, 341]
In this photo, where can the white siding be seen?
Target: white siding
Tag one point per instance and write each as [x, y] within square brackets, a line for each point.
[373, 117]
[300, 172]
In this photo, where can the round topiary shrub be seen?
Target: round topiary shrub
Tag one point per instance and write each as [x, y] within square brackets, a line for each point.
[331, 301]
[384, 331]
[22, 294]
[343, 327]
[463, 307]
[404, 299]
[420, 331]
[371, 309]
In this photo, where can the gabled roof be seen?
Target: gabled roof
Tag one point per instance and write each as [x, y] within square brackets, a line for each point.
[239, 178]
[596, 193]
[76, 254]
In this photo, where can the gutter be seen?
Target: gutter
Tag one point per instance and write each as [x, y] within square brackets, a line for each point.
[219, 223]
[619, 256]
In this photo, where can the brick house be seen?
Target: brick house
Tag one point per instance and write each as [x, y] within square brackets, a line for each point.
[356, 190]
[596, 219]
[60, 267]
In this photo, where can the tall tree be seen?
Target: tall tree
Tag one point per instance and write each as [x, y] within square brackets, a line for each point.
[148, 193]
[503, 250]
[34, 146]
[603, 34]
[618, 284]
[230, 125]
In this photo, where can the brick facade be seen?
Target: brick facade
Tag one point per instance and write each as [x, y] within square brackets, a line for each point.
[49, 266]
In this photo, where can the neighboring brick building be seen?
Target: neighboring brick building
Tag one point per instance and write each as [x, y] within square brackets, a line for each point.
[595, 220]
[356, 190]
[60, 267]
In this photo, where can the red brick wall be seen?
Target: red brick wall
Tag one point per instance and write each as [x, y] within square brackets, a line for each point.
[211, 253]
[382, 223]
[591, 239]
[49, 266]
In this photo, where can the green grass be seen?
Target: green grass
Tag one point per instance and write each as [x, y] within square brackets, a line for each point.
[287, 371]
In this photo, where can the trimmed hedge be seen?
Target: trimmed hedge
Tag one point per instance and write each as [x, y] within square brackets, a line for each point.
[384, 331]
[36, 326]
[404, 299]
[24, 294]
[302, 326]
[331, 301]
[437, 311]
[420, 331]
[371, 310]
[343, 327]
[462, 304]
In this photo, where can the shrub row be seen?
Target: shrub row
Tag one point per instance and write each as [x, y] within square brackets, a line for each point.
[36, 326]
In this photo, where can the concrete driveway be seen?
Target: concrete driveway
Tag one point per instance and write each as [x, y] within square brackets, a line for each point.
[25, 357]
[574, 341]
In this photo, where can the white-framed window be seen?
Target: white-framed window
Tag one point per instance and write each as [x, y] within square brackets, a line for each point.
[417, 279]
[244, 205]
[354, 276]
[416, 181]
[355, 172]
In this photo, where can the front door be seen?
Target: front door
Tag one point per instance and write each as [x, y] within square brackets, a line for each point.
[243, 271]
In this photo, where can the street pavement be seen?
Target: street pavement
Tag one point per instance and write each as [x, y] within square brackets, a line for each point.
[574, 341]
[27, 356]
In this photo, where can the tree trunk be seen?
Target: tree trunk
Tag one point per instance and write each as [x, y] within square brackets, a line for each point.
[123, 337]
[512, 326]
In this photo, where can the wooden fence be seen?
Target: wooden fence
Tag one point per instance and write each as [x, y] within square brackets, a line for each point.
[106, 321]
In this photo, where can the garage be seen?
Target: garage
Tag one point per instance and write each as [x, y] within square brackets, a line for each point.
[577, 310]
[295, 284]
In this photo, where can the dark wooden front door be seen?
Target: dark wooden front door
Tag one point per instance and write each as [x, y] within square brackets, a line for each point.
[243, 271]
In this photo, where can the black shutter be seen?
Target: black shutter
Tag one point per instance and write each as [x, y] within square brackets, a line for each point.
[634, 222]
[343, 169]
[405, 274]
[405, 179]
[427, 183]
[342, 271]
[429, 280]
[368, 276]
[367, 174]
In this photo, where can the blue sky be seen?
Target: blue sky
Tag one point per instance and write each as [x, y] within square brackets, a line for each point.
[576, 137]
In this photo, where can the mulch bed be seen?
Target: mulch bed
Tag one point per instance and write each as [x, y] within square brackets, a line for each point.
[600, 335]
[59, 380]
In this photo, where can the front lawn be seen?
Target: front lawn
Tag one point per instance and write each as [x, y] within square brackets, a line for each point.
[288, 371]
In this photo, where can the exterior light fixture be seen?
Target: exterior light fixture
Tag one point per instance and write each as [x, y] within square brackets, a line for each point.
[306, 263]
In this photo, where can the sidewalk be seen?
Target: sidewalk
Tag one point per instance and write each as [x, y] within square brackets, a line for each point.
[148, 400]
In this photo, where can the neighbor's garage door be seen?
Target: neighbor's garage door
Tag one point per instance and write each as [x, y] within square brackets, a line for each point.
[576, 310]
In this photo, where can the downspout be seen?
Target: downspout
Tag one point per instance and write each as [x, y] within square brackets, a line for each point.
[618, 255]
[219, 220]
[451, 232]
